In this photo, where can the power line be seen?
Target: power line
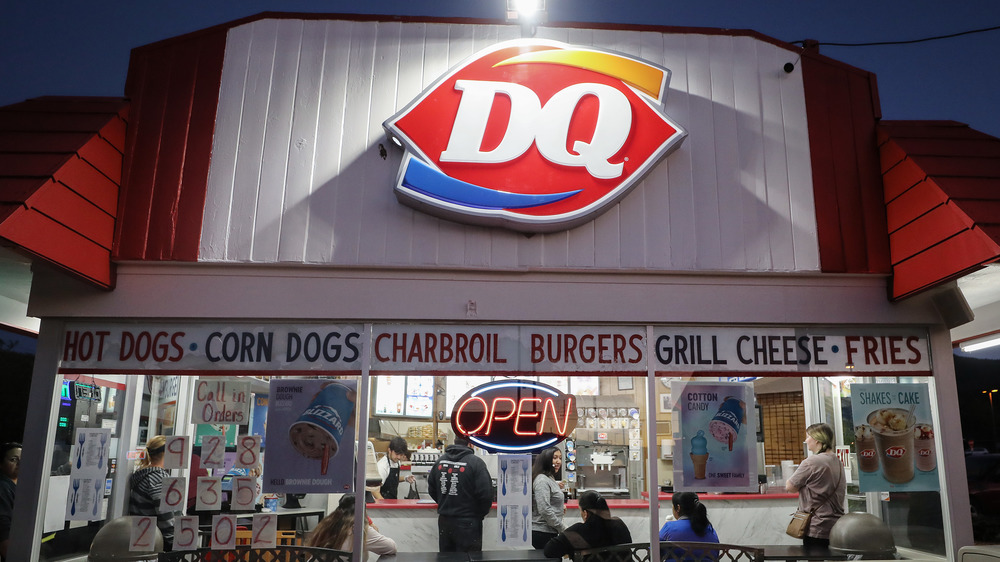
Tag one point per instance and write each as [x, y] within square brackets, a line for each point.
[878, 43]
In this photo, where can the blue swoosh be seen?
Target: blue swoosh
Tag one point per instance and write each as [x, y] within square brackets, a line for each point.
[425, 179]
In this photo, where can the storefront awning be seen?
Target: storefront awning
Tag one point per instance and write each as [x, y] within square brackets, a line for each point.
[942, 193]
[60, 174]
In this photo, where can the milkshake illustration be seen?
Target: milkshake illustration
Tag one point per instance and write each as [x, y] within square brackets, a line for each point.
[893, 429]
[317, 432]
[865, 442]
[699, 454]
[725, 425]
[923, 443]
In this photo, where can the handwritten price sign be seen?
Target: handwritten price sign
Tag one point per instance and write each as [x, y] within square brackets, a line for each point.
[186, 533]
[209, 493]
[177, 453]
[265, 531]
[142, 535]
[223, 532]
[247, 451]
[213, 451]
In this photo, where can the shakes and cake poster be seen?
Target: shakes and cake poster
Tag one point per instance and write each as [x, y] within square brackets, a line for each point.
[310, 436]
[716, 428]
[894, 438]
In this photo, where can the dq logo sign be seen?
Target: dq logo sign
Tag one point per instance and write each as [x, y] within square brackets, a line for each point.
[514, 415]
[895, 452]
[532, 135]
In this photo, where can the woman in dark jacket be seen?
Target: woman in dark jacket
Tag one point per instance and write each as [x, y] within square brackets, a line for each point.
[598, 529]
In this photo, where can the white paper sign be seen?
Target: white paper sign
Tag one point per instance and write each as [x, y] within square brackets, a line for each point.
[244, 493]
[221, 401]
[142, 534]
[514, 500]
[213, 451]
[247, 451]
[186, 533]
[90, 451]
[223, 532]
[209, 493]
[172, 494]
[85, 498]
[265, 531]
[177, 453]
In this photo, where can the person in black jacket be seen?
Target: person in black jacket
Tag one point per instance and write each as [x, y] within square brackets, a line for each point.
[598, 529]
[460, 484]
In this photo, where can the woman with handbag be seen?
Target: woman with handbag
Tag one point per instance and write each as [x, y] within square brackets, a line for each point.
[819, 480]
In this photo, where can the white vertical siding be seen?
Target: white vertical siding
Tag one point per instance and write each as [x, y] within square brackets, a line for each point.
[296, 175]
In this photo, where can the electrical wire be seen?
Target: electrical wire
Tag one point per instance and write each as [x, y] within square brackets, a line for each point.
[879, 43]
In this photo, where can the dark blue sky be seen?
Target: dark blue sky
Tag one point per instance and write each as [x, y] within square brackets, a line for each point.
[82, 48]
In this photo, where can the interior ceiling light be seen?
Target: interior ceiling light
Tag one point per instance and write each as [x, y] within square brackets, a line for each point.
[976, 344]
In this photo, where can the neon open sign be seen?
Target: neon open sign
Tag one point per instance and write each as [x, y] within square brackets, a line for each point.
[514, 415]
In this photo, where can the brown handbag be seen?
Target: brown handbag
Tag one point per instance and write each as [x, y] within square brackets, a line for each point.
[799, 524]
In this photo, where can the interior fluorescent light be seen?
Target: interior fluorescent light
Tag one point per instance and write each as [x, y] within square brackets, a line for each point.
[980, 343]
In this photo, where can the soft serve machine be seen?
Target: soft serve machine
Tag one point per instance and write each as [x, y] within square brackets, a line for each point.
[598, 456]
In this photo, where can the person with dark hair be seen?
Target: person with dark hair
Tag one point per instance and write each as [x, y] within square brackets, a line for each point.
[146, 488]
[10, 466]
[460, 484]
[598, 529]
[690, 524]
[336, 531]
[820, 483]
[547, 497]
[388, 468]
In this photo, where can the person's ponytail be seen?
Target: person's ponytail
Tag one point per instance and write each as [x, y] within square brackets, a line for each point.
[699, 518]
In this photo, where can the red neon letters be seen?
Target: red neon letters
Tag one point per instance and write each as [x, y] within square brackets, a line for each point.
[514, 415]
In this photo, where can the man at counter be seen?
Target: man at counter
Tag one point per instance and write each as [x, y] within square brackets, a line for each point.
[460, 484]
[388, 468]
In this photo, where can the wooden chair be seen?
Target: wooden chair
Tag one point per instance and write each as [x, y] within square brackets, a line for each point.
[285, 538]
[672, 552]
[247, 554]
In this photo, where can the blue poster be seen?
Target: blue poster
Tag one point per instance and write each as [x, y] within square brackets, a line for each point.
[894, 438]
[310, 436]
[717, 437]
[258, 418]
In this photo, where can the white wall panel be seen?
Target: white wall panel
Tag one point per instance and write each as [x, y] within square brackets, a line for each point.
[296, 174]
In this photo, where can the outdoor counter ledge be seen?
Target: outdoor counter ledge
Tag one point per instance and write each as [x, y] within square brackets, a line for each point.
[738, 518]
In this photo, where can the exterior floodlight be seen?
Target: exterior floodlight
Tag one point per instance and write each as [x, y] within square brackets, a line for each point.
[980, 343]
[526, 12]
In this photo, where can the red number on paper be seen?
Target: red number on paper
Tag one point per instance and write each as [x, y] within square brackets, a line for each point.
[209, 497]
[264, 531]
[223, 523]
[144, 540]
[176, 456]
[216, 445]
[248, 451]
[186, 533]
[172, 495]
[244, 492]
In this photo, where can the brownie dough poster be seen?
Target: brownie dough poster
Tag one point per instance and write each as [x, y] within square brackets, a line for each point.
[717, 433]
[310, 436]
[894, 438]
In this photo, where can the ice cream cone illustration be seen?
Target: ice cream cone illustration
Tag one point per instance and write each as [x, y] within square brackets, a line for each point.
[699, 454]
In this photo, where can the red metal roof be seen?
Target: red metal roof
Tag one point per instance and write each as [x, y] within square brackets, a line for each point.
[60, 173]
[942, 194]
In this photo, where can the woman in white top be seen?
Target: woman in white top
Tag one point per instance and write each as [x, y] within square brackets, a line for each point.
[336, 531]
[547, 491]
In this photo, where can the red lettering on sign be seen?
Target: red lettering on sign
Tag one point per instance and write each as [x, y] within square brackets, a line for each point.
[895, 452]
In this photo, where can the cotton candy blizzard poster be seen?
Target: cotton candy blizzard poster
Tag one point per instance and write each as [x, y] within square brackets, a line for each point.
[717, 433]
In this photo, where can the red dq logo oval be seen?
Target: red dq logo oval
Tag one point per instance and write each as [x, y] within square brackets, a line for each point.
[895, 452]
[867, 453]
[924, 452]
[533, 135]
